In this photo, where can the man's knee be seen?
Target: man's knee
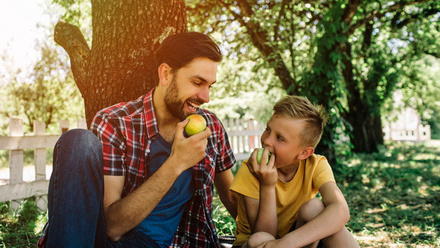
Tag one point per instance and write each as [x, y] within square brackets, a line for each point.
[77, 147]
[310, 209]
[79, 137]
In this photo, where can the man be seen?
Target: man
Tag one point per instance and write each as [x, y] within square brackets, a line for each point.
[157, 183]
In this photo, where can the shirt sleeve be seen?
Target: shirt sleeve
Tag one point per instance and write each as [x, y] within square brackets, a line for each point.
[226, 158]
[323, 173]
[113, 144]
[245, 183]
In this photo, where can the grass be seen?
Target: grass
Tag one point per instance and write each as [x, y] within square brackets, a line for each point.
[393, 195]
[23, 227]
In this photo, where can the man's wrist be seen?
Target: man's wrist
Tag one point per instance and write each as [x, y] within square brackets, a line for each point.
[172, 166]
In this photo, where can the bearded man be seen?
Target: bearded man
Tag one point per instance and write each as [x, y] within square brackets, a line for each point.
[136, 180]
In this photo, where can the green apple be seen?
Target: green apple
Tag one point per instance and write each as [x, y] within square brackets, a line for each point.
[196, 124]
[260, 155]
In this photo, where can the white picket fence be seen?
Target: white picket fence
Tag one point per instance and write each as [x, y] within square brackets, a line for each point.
[243, 135]
[421, 133]
[16, 188]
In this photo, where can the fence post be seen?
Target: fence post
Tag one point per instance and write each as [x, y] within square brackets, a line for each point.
[81, 123]
[40, 164]
[64, 126]
[15, 158]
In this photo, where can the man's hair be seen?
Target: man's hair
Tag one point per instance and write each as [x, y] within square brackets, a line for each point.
[300, 108]
[180, 49]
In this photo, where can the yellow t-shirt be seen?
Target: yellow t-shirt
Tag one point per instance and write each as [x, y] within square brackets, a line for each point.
[290, 196]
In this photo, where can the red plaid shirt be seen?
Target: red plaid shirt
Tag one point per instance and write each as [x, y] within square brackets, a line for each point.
[127, 130]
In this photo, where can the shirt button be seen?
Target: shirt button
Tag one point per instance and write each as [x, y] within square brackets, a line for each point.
[148, 150]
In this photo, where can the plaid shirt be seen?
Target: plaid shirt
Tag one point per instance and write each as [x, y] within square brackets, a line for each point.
[127, 130]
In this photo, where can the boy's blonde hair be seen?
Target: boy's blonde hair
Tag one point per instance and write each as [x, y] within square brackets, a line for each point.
[298, 107]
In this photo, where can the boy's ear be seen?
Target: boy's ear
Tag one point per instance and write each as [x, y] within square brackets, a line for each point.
[164, 72]
[306, 152]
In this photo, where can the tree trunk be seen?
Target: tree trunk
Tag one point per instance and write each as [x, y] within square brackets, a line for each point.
[363, 118]
[120, 65]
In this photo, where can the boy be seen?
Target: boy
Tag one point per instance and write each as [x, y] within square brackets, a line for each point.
[277, 205]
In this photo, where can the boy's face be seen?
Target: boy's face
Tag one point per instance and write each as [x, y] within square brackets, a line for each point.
[190, 86]
[282, 138]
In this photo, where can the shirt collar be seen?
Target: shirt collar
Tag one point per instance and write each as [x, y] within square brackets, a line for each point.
[150, 116]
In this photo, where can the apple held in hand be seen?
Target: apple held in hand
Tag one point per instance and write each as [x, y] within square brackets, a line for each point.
[260, 155]
[195, 125]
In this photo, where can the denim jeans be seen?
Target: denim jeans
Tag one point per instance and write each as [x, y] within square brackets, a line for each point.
[75, 197]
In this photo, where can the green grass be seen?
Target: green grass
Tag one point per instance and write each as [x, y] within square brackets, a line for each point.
[22, 227]
[393, 195]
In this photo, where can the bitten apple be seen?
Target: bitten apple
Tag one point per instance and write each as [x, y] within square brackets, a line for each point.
[196, 124]
[260, 155]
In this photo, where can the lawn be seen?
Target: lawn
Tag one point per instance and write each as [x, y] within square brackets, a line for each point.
[394, 199]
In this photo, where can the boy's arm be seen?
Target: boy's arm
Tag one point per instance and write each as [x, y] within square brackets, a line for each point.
[331, 220]
[262, 213]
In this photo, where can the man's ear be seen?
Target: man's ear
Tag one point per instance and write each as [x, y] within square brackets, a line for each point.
[306, 152]
[164, 72]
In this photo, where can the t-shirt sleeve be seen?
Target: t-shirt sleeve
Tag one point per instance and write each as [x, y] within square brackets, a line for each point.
[323, 173]
[113, 145]
[245, 183]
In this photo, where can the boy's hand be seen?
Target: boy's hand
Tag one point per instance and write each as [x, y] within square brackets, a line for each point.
[186, 152]
[266, 174]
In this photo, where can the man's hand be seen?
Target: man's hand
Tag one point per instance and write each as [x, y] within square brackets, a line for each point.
[186, 152]
[266, 174]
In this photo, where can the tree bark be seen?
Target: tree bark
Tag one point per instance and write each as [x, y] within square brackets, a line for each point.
[119, 66]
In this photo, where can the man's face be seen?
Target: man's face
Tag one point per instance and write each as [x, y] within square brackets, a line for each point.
[189, 87]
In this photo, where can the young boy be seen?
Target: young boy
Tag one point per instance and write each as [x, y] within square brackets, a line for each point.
[277, 205]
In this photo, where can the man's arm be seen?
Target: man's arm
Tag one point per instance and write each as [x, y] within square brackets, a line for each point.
[123, 214]
[223, 181]
[331, 220]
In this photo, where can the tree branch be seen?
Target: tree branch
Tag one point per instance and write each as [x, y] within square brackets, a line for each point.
[379, 14]
[350, 11]
[260, 41]
[72, 40]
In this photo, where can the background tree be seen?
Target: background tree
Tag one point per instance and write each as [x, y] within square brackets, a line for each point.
[371, 62]
[119, 65]
[48, 93]
[336, 53]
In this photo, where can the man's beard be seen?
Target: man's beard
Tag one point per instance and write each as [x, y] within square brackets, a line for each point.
[172, 103]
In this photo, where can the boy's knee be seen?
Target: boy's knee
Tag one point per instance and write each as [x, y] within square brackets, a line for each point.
[310, 209]
[258, 238]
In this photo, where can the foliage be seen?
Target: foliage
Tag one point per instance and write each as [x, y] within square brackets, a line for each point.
[347, 55]
[47, 94]
[21, 228]
[78, 13]
[223, 221]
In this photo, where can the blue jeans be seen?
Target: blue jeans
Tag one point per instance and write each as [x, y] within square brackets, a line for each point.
[75, 197]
